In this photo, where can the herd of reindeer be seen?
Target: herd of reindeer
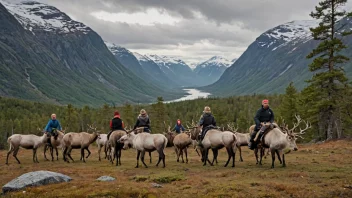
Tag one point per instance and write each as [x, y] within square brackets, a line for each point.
[277, 140]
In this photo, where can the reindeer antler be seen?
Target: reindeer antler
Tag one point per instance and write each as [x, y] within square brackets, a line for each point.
[299, 120]
[308, 126]
[91, 127]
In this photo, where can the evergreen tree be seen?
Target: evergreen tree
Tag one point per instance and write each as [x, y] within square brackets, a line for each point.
[158, 116]
[329, 81]
[128, 116]
[289, 108]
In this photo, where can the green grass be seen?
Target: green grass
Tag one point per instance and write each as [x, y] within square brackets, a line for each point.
[312, 171]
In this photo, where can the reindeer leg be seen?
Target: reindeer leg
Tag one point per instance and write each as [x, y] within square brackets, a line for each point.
[181, 153]
[150, 157]
[36, 156]
[64, 153]
[115, 155]
[197, 152]
[88, 152]
[215, 156]
[82, 155]
[186, 155]
[15, 155]
[163, 154]
[120, 151]
[69, 154]
[272, 158]
[261, 155]
[177, 154]
[278, 156]
[52, 153]
[99, 150]
[229, 153]
[11, 149]
[104, 151]
[283, 160]
[142, 159]
[256, 155]
[240, 150]
[160, 152]
[45, 149]
[206, 151]
[233, 156]
[138, 154]
[57, 154]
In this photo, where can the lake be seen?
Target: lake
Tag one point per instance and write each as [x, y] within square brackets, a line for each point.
[192, 94]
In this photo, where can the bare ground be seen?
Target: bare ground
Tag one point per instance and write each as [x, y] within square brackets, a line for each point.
[323, 170]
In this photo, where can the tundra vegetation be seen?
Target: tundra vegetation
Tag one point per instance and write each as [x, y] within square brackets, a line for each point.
[315, 170]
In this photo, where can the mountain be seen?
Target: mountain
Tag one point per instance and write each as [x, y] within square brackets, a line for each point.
[213, 68]
[177, 70]
[47, 56]
[273, 60]
[153, 69]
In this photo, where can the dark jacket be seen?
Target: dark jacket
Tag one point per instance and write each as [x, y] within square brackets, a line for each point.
[178, 128]
[53, 124]
[142, 121]
[116, 124]
[263, 115]
[207, 120]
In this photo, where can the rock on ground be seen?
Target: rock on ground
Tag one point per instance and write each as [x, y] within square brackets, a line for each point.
[106, 178]
[155, 185]
[37, 178]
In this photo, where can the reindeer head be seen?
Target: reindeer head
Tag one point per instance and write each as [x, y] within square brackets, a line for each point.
[194, 129]
[292, 135]
[127, 140]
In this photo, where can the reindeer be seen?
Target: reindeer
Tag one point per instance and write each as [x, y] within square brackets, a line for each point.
[55, 143]
[242, 138]
[215, 139]
[80, 141]
[145, 142]
[169, 135]
[278, 140]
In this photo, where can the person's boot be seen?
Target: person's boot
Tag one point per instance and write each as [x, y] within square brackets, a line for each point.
[252, 144]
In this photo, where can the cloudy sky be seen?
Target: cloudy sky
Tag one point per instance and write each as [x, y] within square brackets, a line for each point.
[194, 30]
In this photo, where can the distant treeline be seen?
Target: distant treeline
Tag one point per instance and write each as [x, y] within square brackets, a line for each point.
[25, 117]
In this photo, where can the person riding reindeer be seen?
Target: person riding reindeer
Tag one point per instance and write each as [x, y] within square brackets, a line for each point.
[264, 115]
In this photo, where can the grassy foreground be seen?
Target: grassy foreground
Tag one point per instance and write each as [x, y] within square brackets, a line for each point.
[323, 170]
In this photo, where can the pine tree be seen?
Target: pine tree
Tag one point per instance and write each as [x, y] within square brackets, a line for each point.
[128, 117]
[329, 81]
[289, 108]
[159, 116]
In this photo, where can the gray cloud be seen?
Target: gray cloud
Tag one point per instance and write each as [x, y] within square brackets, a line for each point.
[226, 28]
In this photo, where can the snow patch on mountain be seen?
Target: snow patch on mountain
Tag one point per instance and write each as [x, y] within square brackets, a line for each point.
[117, 50]
[34, 15]
[292, 32]
[216, 61]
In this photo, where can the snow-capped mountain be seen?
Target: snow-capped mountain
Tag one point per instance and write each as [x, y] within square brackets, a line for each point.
[54, 58]
[213, 68]
[39, 16]
[216, 61]
[140, 66]
[154, 70]
[274, 59]
[292, 33]
[176, 69]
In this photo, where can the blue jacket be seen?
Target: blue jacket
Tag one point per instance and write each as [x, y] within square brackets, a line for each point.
[52, 124]
[178, 128]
